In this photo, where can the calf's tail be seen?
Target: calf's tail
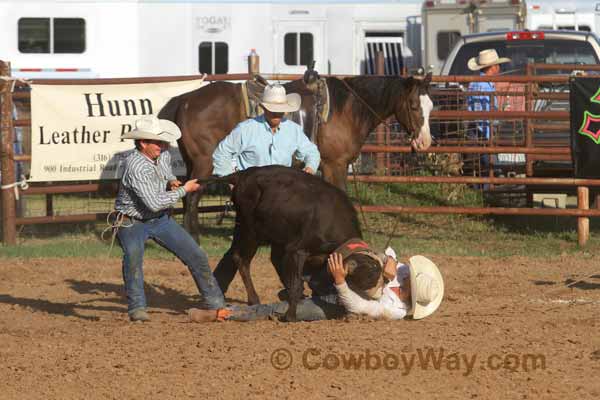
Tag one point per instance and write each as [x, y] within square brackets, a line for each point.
[231, 179]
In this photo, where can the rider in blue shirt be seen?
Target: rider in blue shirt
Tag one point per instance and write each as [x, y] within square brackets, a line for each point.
[267, 139]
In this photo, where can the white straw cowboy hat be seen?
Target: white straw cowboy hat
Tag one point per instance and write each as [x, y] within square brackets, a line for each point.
[274, 99]
[152, 128]
[426, 287]
[486, 58]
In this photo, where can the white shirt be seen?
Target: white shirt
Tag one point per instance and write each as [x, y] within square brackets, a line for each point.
[388, 306]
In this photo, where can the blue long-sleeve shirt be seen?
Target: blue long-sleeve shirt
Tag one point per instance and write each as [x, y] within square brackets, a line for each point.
[253, 144]
[482, 103]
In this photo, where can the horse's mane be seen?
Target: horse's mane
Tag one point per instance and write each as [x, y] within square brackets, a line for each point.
[380, 92]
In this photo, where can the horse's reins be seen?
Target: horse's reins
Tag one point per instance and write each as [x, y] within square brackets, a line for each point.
[381, 120]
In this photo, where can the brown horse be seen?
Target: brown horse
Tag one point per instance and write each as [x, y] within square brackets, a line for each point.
[357, 105]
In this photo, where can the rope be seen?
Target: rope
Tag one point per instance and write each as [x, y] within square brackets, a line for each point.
[381, 120]
[22, 184]
[14, 80]
[360, 207]
[114, 226]
[228, 207]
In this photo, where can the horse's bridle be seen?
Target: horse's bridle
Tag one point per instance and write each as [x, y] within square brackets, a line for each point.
[381, 120]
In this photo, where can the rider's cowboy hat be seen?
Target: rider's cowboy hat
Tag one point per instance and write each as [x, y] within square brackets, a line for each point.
[275, 100]
[486, 58]
[426, 287]
[152, 128]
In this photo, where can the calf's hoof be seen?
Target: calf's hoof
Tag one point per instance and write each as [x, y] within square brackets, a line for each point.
[290, 317]
[252, 301]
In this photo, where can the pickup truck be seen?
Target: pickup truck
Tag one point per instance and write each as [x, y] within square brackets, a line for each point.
[523, 48]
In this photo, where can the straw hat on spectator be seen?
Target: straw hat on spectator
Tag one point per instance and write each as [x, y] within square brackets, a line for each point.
[486, 58]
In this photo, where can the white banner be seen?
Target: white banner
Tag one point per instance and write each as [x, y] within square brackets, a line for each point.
[76, 129]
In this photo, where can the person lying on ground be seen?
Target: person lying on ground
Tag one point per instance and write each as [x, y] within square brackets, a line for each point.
[414, 289]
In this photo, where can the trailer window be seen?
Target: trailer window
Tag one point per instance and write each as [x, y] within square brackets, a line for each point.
[445, 42]
[51, 35]
[213, 58]
[69, 35]
[34, 35]
[298, 48]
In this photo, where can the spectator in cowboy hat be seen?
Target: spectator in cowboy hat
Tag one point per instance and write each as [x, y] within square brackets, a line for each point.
[415, 289]
[488, 64]
[267, 139]
[143, 205]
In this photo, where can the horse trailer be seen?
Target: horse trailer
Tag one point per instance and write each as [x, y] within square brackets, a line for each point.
[574, 15]
[445, 21]
[108, 38]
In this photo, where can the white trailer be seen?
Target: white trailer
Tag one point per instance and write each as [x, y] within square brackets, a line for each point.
[578, 15]
[445, 21]
[124, 38]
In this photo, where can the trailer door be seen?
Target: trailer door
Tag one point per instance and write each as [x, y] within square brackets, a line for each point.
[297, 43]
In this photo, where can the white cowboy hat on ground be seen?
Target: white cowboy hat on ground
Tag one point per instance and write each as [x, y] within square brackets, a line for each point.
[275, 100]
[426, 287]
[486, 58]
[152, 128]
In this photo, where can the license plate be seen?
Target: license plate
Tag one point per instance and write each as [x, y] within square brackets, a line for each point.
[511, 157]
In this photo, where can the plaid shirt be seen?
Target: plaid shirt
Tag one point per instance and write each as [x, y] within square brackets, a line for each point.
[142, 193]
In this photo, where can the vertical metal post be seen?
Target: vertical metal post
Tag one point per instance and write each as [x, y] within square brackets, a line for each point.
[7, 138]
[380, 131]
[528, 124]
[528, 130]
[583, 223]
[379, 63]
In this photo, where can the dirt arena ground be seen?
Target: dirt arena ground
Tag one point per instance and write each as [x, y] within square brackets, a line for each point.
[508, 329]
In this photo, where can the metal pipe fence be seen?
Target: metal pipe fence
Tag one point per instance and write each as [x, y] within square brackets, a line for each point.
[389, 142]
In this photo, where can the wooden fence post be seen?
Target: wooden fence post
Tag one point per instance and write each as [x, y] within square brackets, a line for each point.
[583, 223]
[7, 138]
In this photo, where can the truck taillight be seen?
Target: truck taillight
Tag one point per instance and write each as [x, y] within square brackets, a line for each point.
[515, 2]
[525, 36]
[429, 4]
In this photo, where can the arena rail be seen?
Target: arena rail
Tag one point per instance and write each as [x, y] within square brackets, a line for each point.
[10, 221]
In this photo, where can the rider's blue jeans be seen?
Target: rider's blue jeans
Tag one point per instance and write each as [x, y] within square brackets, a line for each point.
[310, 309]
[170, 235]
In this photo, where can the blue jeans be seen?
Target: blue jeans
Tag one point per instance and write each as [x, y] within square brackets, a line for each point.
[167, 233]
[311, 309]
